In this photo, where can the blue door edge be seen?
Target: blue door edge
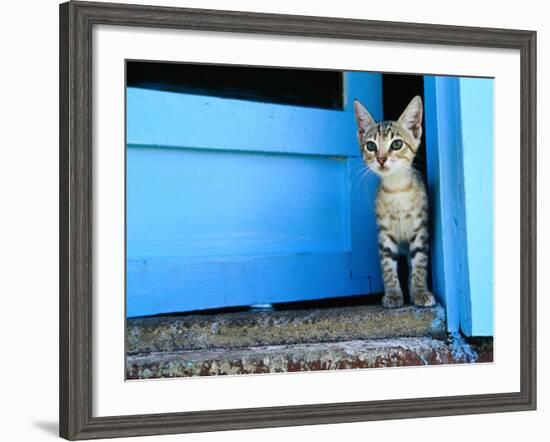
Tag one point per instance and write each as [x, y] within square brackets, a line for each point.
[446, 190]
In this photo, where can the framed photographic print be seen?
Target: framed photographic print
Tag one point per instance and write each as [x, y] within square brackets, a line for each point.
[271, 220]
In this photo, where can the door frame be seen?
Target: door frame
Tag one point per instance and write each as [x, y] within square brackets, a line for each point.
[459, 143]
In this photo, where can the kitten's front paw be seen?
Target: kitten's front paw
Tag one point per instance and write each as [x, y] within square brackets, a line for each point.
[392, 300]
[424, 299]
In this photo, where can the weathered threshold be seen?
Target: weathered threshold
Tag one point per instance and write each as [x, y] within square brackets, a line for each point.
[297, 340]
[244, 329]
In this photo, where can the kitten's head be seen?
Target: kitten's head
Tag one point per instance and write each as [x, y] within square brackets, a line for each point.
[389, 146]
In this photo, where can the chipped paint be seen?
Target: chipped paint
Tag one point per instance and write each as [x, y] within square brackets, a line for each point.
[375, 353]
[460, 348]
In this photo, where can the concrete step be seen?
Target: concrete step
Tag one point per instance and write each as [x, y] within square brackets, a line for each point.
[305, 357]
[246, 329]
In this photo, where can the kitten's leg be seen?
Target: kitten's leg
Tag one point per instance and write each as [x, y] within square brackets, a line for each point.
[393, 296]
[418, 255]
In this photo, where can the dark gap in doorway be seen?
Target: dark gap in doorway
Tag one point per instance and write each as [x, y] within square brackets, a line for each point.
[397, 92]
[300, 87]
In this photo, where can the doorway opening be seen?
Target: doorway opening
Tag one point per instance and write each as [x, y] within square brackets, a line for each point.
[397, 91]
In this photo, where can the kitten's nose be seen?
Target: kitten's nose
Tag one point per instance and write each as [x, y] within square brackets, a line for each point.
[381, 160]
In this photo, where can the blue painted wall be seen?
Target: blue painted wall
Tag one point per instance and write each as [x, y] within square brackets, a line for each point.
[476, 98]
[232, 202]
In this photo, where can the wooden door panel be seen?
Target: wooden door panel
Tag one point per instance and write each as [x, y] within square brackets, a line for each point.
[174, 285]
[233, 203]
[191, 203]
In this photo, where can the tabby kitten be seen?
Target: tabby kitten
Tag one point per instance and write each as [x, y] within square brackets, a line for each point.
[388, 149]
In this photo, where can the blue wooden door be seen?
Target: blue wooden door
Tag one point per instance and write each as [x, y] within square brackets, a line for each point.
[234, 202]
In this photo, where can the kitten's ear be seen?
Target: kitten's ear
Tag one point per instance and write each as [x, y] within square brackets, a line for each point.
[411, 118]
[362, 116]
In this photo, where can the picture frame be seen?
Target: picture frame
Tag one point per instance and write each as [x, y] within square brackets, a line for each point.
[77, 20]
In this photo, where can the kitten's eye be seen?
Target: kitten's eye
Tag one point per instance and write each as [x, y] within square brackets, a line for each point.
[370, 146]
[396, 145]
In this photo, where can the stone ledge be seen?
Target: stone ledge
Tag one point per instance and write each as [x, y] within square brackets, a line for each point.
[301, 357]
[246, 329]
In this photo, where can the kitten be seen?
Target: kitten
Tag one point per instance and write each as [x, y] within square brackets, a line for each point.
[388, 149]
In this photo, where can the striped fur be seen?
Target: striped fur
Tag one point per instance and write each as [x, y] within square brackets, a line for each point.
[388, 149]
